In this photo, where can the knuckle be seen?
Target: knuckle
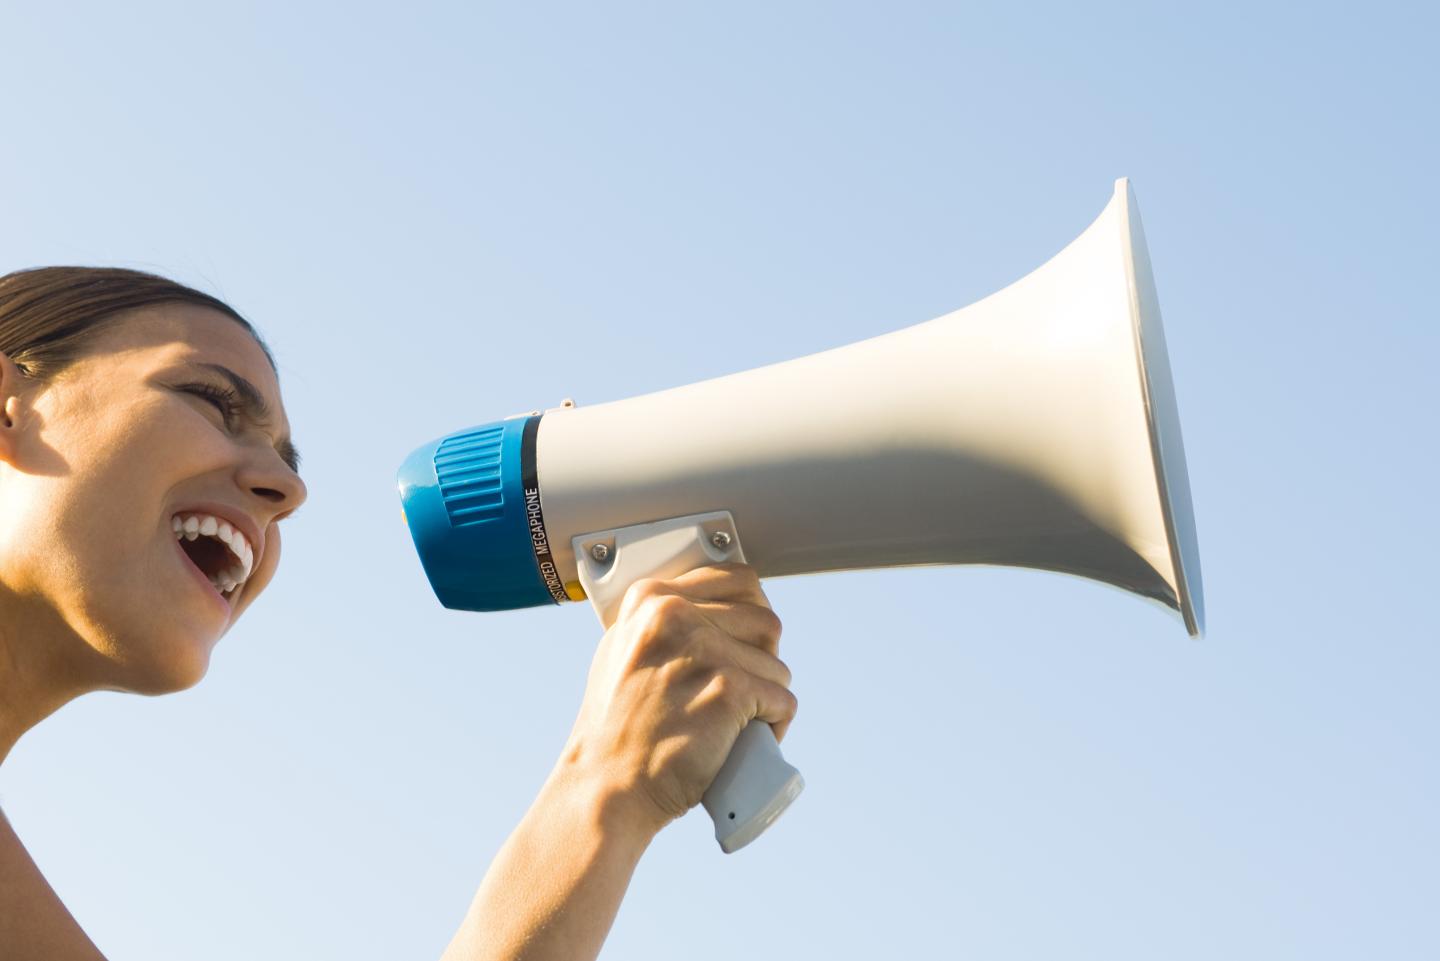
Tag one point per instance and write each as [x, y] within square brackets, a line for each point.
[663, 623]
[634, 606]
[771, 624]
[676, 671]
[667, 608]
[645, 588]
[746, 575]
[724, 687]
[740, 576]
[783, 671]
[786, 703]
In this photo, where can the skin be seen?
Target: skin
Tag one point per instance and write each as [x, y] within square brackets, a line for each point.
[94, 465]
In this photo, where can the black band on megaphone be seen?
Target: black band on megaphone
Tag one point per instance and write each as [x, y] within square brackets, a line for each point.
[535, 514]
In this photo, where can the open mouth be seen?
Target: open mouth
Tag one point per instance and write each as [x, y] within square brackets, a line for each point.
[221, 552]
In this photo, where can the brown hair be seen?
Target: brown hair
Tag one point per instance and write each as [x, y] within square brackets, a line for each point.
[48, 313]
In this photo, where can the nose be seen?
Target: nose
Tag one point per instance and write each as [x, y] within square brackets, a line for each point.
[268, 477]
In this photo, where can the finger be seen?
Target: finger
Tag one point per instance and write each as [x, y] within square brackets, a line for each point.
[780, 730]
[759, 664]
[776, 705]
[748, 699]
[720, 582]
[750, 624]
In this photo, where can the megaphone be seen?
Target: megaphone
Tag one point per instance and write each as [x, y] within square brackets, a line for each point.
[1035, 428]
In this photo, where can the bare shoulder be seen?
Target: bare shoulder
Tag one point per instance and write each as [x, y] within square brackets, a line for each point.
[34, 924]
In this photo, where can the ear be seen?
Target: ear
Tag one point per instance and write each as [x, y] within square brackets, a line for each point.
[12, 387]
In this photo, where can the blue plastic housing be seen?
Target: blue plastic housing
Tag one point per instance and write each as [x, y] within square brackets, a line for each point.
[464, 501]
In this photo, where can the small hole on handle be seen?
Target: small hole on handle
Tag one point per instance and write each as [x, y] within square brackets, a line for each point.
[732, 815]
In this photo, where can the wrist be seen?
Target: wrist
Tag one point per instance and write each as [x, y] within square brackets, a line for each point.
[617, 810]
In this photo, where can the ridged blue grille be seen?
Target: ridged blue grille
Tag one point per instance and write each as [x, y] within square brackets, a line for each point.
[467, 467]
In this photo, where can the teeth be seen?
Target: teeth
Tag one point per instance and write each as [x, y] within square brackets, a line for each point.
[193, 526]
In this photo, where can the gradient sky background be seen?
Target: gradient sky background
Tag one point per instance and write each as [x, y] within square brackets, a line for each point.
[444, 213]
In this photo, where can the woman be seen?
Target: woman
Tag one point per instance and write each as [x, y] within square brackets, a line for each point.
[145, 467]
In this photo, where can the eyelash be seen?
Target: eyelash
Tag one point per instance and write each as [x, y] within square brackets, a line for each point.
[224, 400]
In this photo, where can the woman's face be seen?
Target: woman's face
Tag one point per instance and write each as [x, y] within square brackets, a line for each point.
[172, 419]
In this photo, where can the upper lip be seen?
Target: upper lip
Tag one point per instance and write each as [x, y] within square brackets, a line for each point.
[237, 519]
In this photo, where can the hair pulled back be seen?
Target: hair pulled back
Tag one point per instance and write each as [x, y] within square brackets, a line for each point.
[47, 314]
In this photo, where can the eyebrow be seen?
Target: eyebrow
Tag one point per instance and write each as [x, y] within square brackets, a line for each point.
[252, 404]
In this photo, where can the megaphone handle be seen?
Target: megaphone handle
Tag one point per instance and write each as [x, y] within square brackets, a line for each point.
[755, 784]
[753, 787]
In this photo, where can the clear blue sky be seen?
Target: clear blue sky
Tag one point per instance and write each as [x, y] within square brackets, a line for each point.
[444, 213]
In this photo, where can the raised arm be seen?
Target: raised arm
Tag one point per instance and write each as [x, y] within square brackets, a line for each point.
[687, 664]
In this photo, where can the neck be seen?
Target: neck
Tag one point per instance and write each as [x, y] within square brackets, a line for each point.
[36, 676]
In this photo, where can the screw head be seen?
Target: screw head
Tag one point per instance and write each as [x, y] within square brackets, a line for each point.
[601, 553]
[720, 539]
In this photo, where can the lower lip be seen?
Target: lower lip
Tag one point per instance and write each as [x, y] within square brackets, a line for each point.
[203, 579]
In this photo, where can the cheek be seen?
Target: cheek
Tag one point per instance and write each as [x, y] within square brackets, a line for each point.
[95, 532]
[129, 452]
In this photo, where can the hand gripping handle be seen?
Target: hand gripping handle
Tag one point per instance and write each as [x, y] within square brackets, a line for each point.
[755, 784]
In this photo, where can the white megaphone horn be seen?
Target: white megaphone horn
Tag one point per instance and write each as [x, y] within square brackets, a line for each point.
[1035, 428]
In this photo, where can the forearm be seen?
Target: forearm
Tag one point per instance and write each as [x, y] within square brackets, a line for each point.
[554, 888]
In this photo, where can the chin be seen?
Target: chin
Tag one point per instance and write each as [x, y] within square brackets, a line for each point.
[141, 645]
[164, 668]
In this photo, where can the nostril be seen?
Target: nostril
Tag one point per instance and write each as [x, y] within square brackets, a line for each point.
[268, 493]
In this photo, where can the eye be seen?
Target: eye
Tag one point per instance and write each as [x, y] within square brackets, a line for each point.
[222, 399]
